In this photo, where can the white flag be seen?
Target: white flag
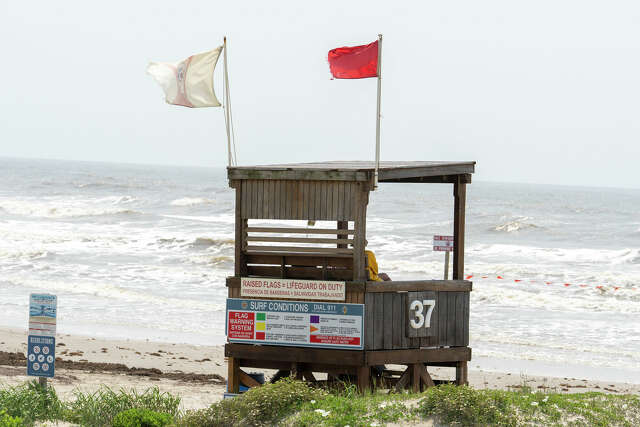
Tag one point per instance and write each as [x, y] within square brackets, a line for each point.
[189, 82]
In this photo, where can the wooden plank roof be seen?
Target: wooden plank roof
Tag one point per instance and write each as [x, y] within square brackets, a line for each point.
[390, 171]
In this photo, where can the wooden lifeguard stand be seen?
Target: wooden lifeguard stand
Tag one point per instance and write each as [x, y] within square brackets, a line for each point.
[339, 191]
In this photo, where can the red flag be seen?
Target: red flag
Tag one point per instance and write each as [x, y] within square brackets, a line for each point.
[355, 62]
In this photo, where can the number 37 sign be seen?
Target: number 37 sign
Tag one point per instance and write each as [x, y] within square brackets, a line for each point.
[421, 308]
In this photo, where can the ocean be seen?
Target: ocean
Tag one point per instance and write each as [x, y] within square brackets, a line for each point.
[142, 252]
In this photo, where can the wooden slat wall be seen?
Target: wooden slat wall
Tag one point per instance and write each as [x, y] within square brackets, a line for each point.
[386, 321]
[314, 200]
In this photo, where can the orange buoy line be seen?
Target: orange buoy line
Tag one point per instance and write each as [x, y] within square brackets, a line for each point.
[566, 285]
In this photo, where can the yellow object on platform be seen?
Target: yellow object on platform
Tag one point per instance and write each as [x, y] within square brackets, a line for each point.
[372, 266]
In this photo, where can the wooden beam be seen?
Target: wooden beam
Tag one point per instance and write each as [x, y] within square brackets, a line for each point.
[297, 254]
[247, 380]
[420, 285]
[360, 225]
[462, 373]
[426, 378]
[399, 173]
[440, 179]
[308, 375]
[299, 260]
[299, 249]
[233, 375]
[298, 175]
[364, 378]
[426, 355]
[404, 379]
[343, 225]
[240, 266]
[415, 376]
[300, 240]
[294, 230]
[303, 273]
[295, 354]
[460, 198]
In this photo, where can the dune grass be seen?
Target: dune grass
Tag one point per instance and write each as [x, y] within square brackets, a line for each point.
[294, 403]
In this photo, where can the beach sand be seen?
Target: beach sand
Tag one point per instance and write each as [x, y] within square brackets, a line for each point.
[197, 373]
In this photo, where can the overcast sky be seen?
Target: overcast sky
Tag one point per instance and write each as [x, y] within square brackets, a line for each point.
[541, 92]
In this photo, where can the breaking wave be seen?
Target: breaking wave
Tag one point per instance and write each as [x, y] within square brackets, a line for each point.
[191, 201]
[515, 226]
[205, 242]
[54, 209]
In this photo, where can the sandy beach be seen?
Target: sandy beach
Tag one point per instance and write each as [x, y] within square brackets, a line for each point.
[198, 373]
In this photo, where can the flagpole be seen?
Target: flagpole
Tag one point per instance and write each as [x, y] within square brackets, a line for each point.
[379, 72]
[227, 106]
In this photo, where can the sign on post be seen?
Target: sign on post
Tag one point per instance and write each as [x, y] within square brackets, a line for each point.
[295, 323]
[41, 341]
[260, 287]
[42, 314]
[444, 244]
[41, 356]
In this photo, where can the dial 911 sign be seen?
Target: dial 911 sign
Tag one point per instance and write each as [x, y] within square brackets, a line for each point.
[421, 311]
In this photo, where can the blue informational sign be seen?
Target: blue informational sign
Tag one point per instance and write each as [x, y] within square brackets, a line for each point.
[295, 323]
[41, 356]
[42, 314]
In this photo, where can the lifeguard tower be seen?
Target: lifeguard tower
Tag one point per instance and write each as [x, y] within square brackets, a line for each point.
[301, 301]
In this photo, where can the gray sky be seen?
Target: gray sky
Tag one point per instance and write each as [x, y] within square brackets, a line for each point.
[543, 92]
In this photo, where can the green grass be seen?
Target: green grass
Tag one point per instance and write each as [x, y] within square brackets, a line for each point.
[293, 403]
[100, 407]
[348, 407]
[262, 406]
[7, 420]
[136, 417]
[31, 402]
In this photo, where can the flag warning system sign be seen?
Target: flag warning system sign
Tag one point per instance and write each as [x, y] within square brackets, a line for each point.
[443, 243]
[295, 323]
[41, 343]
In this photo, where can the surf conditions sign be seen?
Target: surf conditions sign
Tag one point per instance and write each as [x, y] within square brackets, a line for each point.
[295, 323]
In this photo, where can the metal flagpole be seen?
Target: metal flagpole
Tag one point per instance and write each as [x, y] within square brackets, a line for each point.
[375, 177]
[227, 106]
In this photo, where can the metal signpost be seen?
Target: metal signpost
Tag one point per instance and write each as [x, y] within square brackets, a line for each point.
[444, 244]
[41, 345]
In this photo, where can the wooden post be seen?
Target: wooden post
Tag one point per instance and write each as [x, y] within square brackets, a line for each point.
[415, 376]
[241, 225]
[446, 265]
[342, 225]
[427, 381]
[364, 373]
[460, 197]
[360, 225]
[43, 382]
[233, 375]
[461, 373]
